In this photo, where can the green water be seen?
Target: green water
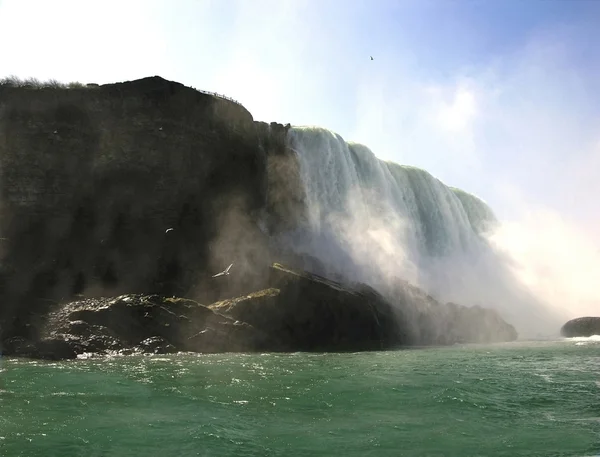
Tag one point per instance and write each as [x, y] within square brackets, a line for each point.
[518, 399]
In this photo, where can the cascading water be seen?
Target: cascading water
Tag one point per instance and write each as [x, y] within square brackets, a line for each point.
[480, 215]
[374, 221]
[355, 196]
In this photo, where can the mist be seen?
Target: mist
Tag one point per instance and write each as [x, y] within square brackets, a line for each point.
[520, 130]
[378, 222]
[554, 259]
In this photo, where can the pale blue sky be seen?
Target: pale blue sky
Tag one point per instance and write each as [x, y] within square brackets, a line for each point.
[500, 98]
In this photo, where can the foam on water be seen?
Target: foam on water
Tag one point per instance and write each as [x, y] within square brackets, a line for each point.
[585, 338]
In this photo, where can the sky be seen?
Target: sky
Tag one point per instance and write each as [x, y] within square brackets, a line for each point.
[498, 97]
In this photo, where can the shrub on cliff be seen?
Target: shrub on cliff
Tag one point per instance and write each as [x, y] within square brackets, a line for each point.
[34, 83]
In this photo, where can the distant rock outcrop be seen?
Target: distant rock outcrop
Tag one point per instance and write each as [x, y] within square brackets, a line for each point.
[582, 326]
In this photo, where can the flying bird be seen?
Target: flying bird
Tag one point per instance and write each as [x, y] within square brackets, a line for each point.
[224, 272]
[169, 230]
[371, 57]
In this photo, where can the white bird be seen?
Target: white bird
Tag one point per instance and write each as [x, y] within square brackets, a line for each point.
[169, 230]
[224, 272]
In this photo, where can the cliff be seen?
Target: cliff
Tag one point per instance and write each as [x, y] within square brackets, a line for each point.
[93, 177]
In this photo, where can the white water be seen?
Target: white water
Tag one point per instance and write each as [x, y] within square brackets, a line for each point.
[585, 339]
[374, 221]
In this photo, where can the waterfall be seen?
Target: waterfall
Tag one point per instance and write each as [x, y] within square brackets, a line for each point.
[374, 221]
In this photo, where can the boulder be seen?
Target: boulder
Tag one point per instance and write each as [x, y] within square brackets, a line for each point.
[144, 323]
[156, 345]
[582, 326]
[306, 312]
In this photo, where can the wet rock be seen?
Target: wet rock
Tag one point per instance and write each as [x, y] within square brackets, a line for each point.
[56, 349]
[156, 345]
[306, 312]
[582, 326]
[145, 323]
[20, 347]
[300, 311]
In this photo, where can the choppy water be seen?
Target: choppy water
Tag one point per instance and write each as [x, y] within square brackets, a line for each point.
[518, 399]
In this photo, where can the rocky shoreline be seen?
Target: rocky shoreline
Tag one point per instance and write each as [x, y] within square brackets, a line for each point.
[299, 312]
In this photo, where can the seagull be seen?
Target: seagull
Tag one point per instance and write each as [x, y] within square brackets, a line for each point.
[170, 229]
[224, 272]
[371, 57]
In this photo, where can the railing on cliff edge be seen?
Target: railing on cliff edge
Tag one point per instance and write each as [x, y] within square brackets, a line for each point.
[224, 97]
[215, 94]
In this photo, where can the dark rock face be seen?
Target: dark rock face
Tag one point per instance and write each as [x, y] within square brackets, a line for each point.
[305, 312]
[91, 178]
[582, 326]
